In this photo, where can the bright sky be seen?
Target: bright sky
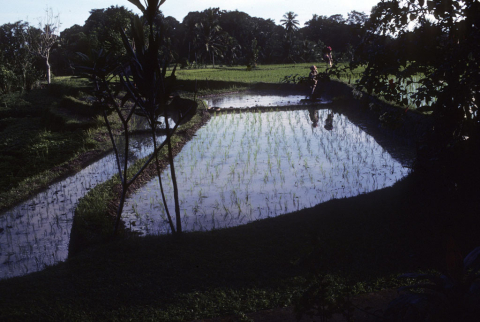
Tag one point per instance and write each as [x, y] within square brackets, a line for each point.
[76, 12]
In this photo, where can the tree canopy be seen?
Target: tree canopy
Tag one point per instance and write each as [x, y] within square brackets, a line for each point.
[216, 36]
[434, 46]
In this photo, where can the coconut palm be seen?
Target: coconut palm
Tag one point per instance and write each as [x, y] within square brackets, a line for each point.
[289, 22]
[209, 40]
[291, 25]
[232, 49]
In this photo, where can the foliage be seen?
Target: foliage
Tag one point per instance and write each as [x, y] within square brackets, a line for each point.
[103, 29]
[18, 67]
[291, 26]
[7, 79]
[433, 45]
[145, 91]
[289, 22]
[253, 56]
[151, 90]
[232, 51]
[57, 133]
[336, 32]
[447, 297]
[323, 297]
[295, 79]
[209, 38]
[215, 36]
[212, 36]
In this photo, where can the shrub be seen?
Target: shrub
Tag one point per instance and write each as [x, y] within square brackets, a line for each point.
[454, 296]
[8, 80]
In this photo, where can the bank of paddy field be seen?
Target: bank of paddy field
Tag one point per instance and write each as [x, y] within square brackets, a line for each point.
[362, 242]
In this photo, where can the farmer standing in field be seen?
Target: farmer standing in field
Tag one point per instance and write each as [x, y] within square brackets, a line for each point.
[312, 77]
[327, 55]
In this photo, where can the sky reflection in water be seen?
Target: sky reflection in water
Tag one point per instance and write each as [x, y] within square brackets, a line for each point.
[244, 167]
[37, 232]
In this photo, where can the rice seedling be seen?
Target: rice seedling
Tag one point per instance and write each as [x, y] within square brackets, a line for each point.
[43, 237]
[256, 137]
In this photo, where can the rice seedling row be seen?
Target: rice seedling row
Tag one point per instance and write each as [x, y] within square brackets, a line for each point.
[251, 166]
[36, 232]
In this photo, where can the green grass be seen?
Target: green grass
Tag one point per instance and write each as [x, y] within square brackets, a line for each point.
[211, 81]
[240, 74]
[214, 80]
[41, 130]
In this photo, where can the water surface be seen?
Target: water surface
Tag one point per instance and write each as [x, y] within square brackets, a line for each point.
[250, 166]
[36, 232]
[260, 98]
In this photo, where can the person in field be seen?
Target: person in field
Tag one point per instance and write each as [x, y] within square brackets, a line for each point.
[327, 55]
[312, 78]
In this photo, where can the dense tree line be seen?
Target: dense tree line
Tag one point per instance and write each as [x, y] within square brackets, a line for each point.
[216, 36]
[213, 36]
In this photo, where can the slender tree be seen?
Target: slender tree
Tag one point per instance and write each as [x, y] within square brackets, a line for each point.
[291, 25]
[41, 43]
[232, 50]
[209, 38]
[147, 92]
[289, 22]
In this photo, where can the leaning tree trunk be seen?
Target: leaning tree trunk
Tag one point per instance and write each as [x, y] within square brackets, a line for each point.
[174, 178]
[159, 175]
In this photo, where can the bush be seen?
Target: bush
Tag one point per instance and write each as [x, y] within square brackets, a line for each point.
[8, 80]
[32, 79]
[454, 296]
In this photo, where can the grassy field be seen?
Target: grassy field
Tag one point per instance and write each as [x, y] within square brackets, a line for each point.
[214, 80]
[240, 74]
[41, 131]
[266, 74]
[362, 243]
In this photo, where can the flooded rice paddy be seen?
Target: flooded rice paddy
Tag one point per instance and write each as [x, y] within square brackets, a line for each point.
[250, 166]
[37, 232]
[237, 169]
[249, 99]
